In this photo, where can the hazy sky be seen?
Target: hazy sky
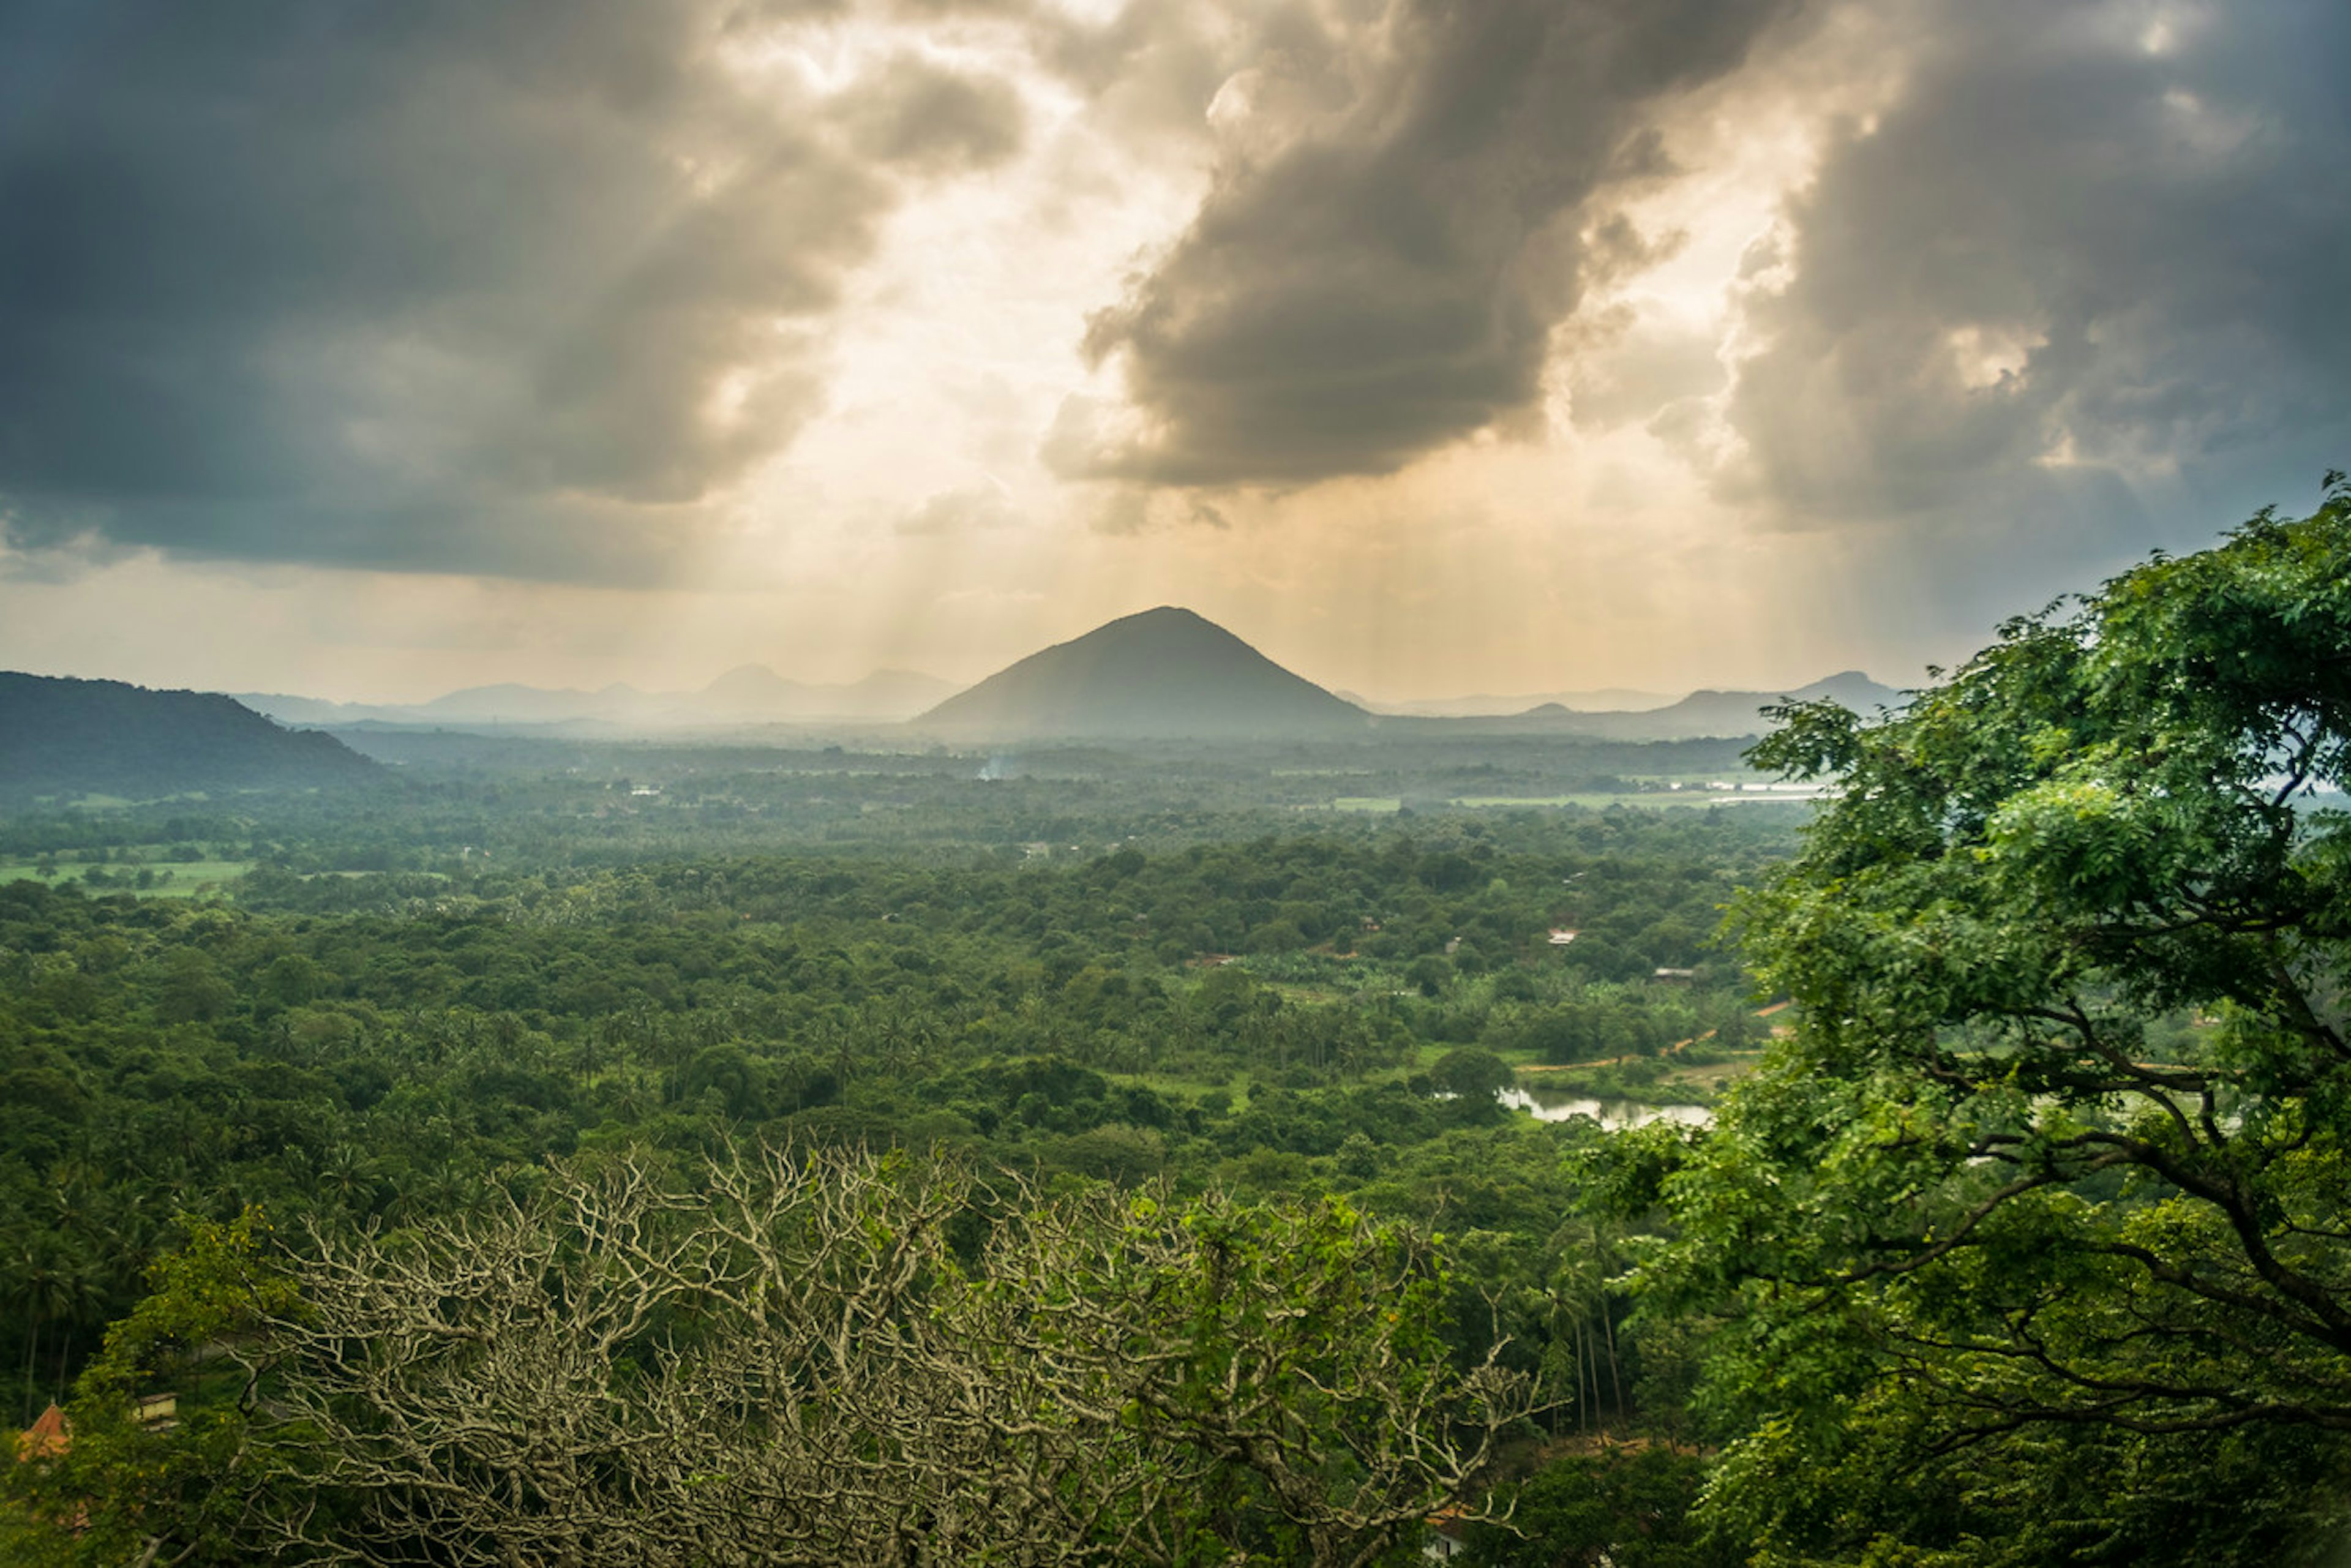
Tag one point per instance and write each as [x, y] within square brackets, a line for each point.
[370, 350]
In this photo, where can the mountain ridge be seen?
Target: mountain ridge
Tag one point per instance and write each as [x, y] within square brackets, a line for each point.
[748, 693]
[1164, 672]
[1488, 705]
[65, 735]
[1704, 713]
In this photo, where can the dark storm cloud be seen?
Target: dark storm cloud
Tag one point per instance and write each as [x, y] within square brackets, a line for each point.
[2088, 268]
[507, 287]
[1386, 278]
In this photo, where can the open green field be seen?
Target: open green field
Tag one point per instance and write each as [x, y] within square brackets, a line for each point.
[1597, 801]
[171, 879]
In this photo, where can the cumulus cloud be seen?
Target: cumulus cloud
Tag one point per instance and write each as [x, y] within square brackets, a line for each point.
[1399, 218]
[916, 112]
[542, 289]
[973, 507]
[518, 288]
[2088, 250]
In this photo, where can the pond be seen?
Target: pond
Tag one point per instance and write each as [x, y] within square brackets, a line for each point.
[1616, 1115]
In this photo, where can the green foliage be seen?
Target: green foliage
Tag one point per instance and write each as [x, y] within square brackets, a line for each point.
[181, 1489]
[411, 1057]
[70, 737]
[1629, 1508]
[2003, 1278]
[504, 962]
[1470, 1074]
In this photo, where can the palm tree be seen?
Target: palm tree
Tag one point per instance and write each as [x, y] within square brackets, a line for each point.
[349, 1176]
[54, 1282]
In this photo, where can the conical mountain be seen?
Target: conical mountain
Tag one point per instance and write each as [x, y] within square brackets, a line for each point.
[1164, 672]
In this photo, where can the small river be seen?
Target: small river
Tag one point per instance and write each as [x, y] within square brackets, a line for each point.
[1616, 1115]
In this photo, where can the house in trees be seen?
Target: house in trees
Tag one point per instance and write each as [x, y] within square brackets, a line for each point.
[1447, 1537]
[49, 1434]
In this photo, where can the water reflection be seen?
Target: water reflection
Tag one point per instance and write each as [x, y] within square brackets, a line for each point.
[1616, 1115]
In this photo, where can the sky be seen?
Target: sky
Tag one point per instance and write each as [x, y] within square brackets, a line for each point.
[370, 350]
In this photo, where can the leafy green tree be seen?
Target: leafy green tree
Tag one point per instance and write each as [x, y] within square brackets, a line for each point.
[1987, 1197]
[1629, 1508]
[1471, 1073]
[193, 989]
[186, 1489]
[1430, 973]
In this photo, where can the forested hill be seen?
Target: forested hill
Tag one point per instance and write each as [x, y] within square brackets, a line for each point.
[65, 736]
[1164, 672]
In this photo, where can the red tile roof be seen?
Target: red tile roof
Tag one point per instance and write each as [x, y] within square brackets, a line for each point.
[52, 1434]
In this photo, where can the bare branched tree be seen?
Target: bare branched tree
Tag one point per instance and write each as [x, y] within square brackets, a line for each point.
[820, 1357]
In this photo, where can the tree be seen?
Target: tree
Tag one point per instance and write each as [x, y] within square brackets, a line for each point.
[2051, 1175]
[187, 1491]
[834, 1358]
[1471, 1073]
[1628, 1506]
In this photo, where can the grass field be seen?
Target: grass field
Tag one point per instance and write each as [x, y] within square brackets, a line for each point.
[188, 878]
[1692, 796]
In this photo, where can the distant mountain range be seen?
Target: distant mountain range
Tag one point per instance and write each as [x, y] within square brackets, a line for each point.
[1169, 673]
[1605, 700]
[1720, 714]
[748, 694]
[1164, 673]
[65, 736]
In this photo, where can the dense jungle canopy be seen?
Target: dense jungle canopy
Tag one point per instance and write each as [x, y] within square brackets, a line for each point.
[934, 1199]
